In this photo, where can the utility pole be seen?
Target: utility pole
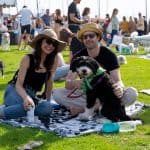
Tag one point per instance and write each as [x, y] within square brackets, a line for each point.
[146, 10]
[99, 7]
[37, 6]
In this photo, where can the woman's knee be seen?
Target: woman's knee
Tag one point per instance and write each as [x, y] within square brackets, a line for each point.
[11, 96]
[59, 93]
[43, 109]
[129, 97]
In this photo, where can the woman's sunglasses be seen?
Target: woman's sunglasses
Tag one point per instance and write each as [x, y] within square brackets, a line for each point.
[91, 36]
[49, 42]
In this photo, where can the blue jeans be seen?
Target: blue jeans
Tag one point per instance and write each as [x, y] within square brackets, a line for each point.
[114, 32]
[61, 72]
[14, 105]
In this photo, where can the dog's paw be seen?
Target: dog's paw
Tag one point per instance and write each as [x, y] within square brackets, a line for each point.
[84, 116]
[87, 115]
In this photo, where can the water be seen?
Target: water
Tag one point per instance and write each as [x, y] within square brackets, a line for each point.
[125, 126]
[128, 126]
[30, 114]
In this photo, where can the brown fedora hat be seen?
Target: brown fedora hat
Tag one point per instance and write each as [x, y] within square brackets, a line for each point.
[48, 34]
[89, 27]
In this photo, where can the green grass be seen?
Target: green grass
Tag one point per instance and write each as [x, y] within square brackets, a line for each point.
[136, 73]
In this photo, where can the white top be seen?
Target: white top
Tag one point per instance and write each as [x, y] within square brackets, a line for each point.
[61, 61]
[26, 16]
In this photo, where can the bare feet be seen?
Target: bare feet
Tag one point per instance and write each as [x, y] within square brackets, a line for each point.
[74, 110]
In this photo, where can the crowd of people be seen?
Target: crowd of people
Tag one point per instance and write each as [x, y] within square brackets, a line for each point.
[25, 25]
[45, 63]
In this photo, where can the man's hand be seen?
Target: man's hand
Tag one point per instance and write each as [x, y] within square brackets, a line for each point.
[118, 89]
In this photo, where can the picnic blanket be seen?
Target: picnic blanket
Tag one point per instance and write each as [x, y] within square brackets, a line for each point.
[64, 125]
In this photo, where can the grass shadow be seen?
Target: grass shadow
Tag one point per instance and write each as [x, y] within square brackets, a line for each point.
[24, 135]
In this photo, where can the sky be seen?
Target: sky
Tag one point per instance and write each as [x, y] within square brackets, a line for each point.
[98, 7]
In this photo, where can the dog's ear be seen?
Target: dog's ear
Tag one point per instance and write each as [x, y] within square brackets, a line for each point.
[73, 65]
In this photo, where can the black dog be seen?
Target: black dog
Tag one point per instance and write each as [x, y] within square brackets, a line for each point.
[2, 68]
[98, 84]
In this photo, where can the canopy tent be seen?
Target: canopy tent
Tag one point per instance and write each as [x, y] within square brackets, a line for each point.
[98, 7]
[7, 3]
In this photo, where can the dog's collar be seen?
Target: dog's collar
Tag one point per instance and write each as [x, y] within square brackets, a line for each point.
[86, 82]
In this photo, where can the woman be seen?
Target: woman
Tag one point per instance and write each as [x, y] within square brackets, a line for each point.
[58, 21]
[62, 68]
[39, 26]
[115, 22]
[35, 70]
[86, 14]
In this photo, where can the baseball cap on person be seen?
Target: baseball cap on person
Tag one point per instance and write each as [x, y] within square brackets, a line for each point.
[51, 35]
[89, 27]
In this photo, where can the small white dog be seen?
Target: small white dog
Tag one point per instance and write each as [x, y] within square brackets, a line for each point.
[134, 50]
[122, 59]
[5, 41]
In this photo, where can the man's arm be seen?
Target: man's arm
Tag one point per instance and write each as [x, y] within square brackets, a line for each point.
[118, 84]
[76, 20]
[72, 82]
[16, 15]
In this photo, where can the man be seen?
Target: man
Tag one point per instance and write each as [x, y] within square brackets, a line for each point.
[74, 22]
[47, 18]
[90, 34]
[140, 25]
[26, 19]
[145, 25]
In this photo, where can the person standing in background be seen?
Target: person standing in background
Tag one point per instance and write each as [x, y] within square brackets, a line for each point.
[47, 18]
[115, 23]
[124, 26]
[86, 14]
[132, 25]
[26, 19]
[145, 25]
[106, 35]
[74, 22]
[140, 25]
[58, 21]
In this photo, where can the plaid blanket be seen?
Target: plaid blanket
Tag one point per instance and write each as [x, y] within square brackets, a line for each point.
[64, 125]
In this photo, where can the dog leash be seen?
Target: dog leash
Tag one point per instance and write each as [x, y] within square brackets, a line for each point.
[72, 95]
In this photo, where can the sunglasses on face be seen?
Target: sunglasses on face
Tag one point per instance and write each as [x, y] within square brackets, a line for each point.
[49, 42]
[91, 36]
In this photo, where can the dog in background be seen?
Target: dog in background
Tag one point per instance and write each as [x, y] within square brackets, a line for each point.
[122, 59]
[65, 35]
[2, 68]
[5, 41]
[97, 84]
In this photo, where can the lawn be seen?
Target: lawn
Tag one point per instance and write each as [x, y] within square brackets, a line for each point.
[136, 73]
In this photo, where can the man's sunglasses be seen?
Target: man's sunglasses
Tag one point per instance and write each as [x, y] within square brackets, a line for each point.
[49, 42]
[91, 36]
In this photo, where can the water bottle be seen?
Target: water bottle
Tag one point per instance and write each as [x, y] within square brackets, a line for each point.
[128, 126]
[30, 114]
[110, 128]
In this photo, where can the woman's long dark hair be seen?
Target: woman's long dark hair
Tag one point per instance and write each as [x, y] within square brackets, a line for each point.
[50, 58]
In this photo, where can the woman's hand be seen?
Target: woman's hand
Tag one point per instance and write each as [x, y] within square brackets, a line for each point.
[118, 90]
[28, 102]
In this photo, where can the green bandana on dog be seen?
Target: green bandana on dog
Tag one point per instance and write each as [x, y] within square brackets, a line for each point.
[86, 81]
